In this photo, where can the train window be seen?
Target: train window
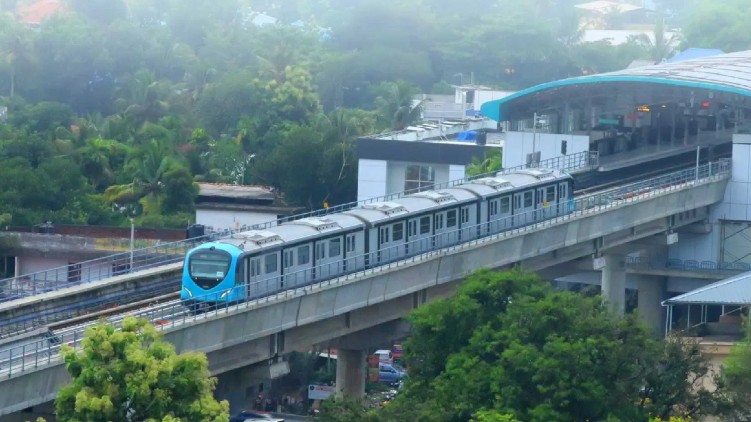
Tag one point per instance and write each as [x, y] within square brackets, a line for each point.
[320, 250]
[451, 218]
[335, 247]
[464, 217]
[424, 225]
[562, 191]
[550, 194]
[438, 221]
[398, 231]
[412, 228]
[287, 259]
[505, 205]
[270, 263]
[350, 243]
[527, 199]
[303, 255]
[517, 202]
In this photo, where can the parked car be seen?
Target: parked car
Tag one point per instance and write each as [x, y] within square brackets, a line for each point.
[254, 416]
[390, 373]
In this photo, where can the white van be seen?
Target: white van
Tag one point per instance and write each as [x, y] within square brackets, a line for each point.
[384, 356]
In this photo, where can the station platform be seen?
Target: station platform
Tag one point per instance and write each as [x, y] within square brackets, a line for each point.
[649, 153]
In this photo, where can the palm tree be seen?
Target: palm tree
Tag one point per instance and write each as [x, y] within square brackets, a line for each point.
[15, 46]
[662, 47]
[396, 104]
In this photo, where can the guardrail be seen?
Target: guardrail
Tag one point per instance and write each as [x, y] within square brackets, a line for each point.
[29, 356]
[689, 265]
[139, 259]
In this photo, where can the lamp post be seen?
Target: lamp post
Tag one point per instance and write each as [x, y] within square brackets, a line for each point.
[534, 140]
[132, 242]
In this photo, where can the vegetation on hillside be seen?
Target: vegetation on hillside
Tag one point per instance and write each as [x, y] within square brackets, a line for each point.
[115, 108]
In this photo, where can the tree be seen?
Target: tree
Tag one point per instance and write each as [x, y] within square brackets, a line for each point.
[492, 162]
[735, 382]
[132, 374]
[396, 106]
[509, 344]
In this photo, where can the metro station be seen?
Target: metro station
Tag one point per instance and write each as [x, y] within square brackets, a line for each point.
[639, 114]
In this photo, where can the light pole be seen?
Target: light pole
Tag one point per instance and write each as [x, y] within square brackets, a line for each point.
[534, 139]
[698, 153]
[132, 241]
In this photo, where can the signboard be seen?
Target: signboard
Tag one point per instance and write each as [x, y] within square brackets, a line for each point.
[373, 368]
[320, 392]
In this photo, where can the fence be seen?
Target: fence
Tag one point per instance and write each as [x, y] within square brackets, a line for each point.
[29, 356]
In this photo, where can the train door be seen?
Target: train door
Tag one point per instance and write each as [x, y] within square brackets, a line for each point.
[562, 198]
[288, 263]
[331, 264]
[493, 225]
[505, 213]
[551, 202]
[539, 204]
[451, 235]
[528, 207]
[390, 242]
[519, 218]
[468, 230]
[271, 280]
[253, 276]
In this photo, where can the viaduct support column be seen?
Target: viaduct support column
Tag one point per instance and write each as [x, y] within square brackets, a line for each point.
[651, 290]
[613, 282]
[350, 373]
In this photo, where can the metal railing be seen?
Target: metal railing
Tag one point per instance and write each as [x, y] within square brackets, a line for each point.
[688, 265]
[140, 259]
[30, 356]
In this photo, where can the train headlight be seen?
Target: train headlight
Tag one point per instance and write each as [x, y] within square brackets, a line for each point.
[225, 294]
[188, 291]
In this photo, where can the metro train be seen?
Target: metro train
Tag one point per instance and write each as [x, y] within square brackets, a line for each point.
[256, 263]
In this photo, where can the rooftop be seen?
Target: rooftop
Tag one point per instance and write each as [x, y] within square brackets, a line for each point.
[446, 130]
[735, 290]
[724, 74]
[235, 192]
[37, 12]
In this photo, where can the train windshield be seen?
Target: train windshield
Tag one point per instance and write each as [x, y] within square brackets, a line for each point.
[213, 265]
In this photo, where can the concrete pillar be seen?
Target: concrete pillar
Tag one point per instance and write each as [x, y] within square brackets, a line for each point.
[351, 373]
[651, 290]
[613, 282]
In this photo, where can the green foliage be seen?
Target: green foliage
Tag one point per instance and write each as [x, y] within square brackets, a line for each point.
[734, 382]
[492, 162]
[132, 374]
[509, 345]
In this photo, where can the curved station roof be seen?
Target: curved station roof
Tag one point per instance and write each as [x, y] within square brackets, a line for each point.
[725, 78]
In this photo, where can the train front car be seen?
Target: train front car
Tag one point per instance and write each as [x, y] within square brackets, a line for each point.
[209, 273]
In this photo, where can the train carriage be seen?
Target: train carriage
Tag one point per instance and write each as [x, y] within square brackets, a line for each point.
[293, 254]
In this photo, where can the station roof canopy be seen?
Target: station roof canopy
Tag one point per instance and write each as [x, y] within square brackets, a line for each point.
[725, 78]
[735, 290]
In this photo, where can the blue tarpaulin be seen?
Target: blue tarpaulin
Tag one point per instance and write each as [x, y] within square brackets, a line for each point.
[467, 135]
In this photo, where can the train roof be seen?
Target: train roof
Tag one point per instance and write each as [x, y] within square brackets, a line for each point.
[513, 180]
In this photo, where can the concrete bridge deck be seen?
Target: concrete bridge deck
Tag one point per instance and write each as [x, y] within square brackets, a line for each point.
[256, 331]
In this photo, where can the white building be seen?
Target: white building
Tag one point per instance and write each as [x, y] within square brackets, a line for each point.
[223, 206]
[422, 155]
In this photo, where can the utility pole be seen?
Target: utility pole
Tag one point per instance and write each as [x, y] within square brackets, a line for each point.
[534, 139]
[698, 152]
[132, 241]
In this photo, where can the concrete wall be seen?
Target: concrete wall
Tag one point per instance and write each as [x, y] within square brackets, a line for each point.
[371, 178]
[221, 219]
[519, 144]
[248, 333]
[735, 206]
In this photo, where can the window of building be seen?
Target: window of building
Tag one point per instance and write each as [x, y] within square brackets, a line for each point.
[419, 177]
[424, 225]
[451, 218]
[335, 247]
